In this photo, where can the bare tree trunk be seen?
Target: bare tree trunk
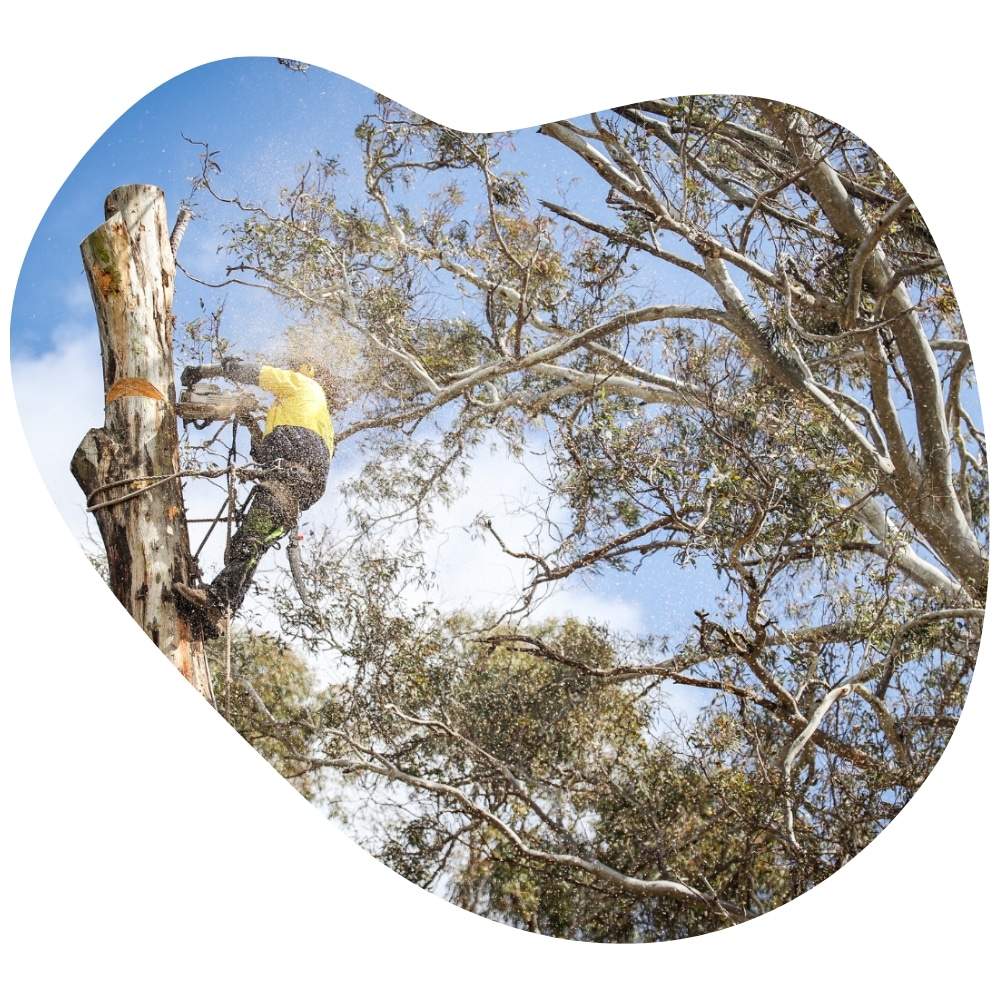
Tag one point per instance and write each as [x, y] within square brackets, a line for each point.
[130, 268]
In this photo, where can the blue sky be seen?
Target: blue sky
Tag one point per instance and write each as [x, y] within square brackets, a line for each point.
[263, 122]
[264, 119]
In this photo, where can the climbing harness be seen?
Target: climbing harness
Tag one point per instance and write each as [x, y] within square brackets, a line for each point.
[259, 523]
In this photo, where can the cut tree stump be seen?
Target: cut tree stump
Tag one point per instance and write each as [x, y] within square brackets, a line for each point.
[130, 267]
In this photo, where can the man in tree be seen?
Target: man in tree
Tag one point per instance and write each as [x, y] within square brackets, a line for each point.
[294, 454]
[739, 357]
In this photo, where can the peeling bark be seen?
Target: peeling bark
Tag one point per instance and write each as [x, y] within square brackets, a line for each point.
[130, 268]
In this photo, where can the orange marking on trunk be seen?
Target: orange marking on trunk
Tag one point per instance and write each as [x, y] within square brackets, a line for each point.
[133, 387]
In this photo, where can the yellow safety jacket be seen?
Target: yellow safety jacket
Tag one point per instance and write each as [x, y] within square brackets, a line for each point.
[299, 402]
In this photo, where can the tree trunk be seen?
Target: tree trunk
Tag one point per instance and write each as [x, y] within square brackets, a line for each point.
[130, 268]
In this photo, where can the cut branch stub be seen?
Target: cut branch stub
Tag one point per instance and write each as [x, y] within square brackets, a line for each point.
[130, 268]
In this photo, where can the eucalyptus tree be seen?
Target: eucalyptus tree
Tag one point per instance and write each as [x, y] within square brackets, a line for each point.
[266, 691]
[732, 335]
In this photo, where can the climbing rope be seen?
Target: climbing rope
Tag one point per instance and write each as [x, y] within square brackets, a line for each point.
[232, 512]
[229, 665]
[231, 487]
[151, 482]
[231, 515]
[214, 521]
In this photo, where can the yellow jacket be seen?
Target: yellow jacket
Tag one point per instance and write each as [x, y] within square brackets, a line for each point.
[299, 402]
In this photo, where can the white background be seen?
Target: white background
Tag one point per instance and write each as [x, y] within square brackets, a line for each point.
[146, 850]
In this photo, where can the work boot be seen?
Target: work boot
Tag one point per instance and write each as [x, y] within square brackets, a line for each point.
[195, 597]
[206, 610]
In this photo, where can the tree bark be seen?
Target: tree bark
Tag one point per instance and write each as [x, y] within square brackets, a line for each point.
[130, 268]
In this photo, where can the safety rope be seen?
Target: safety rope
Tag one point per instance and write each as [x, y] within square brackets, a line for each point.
[229, 665]
[231, 486]
[232, 512]
[231, 504]
[230, 509]
[214, 521]
[151, 482]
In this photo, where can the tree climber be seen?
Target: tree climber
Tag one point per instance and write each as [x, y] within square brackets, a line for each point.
[294, 455]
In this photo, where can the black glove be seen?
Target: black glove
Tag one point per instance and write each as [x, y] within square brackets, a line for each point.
[190, 375]
[229, 365]
[195, 373]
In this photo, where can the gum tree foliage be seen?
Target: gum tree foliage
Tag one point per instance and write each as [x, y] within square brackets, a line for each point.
[265, 691]
[738, 347]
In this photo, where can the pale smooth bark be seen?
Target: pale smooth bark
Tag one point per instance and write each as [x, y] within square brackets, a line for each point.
[129, 468]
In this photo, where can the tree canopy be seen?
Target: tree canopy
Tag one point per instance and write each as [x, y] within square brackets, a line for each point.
[737, 347]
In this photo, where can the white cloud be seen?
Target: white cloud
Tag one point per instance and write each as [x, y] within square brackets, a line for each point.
[475, 571]
[76, 295]
[59, 398]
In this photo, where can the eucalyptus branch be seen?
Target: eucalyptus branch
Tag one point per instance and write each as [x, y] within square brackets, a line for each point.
[613, 879]
[516, 784]
[864, 252]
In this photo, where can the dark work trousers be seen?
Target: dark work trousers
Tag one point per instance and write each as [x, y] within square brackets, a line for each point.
[295, 461]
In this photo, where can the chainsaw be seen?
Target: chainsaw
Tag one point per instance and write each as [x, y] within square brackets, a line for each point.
[203, 402]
